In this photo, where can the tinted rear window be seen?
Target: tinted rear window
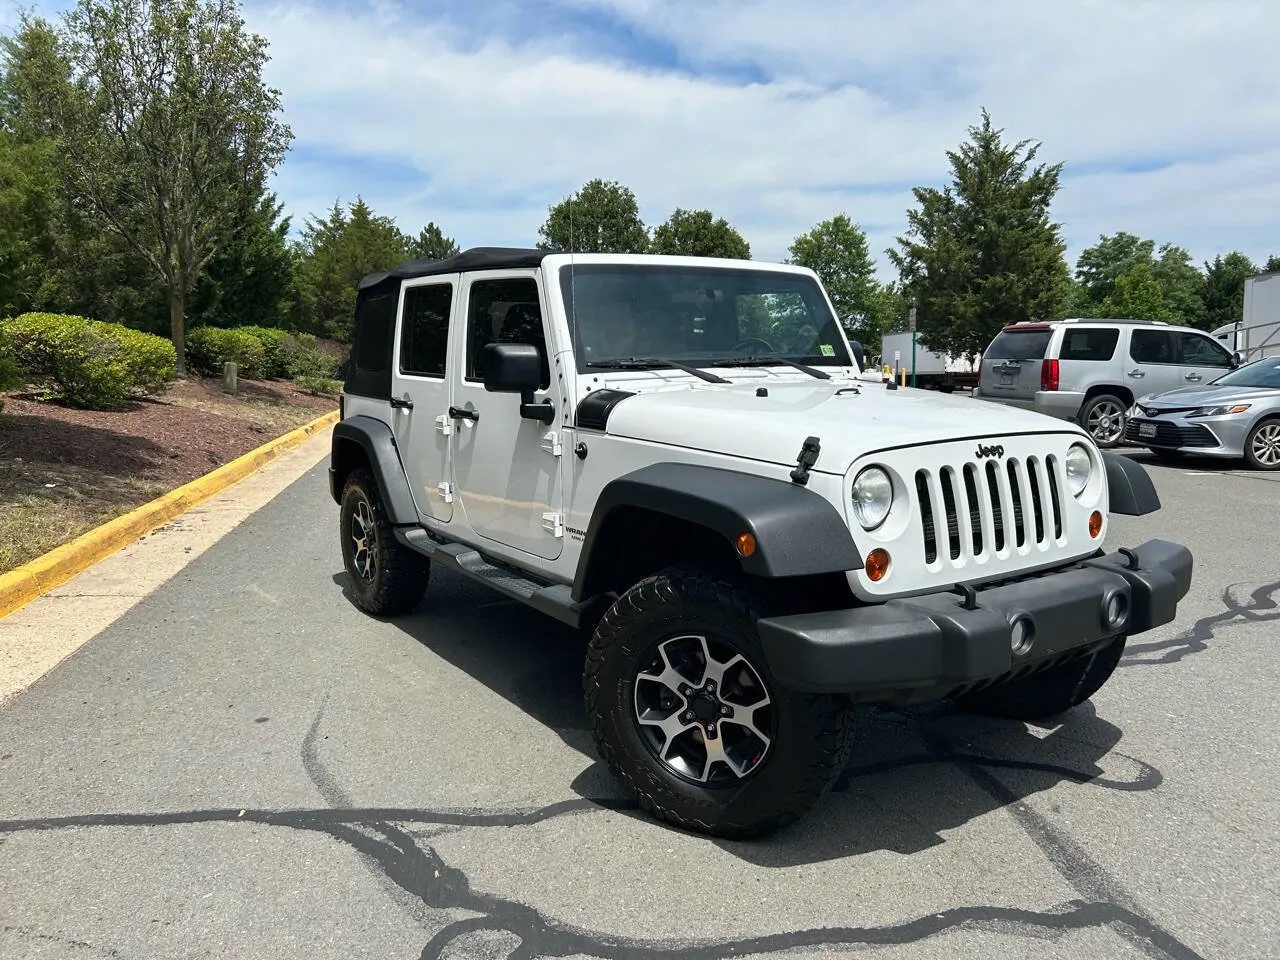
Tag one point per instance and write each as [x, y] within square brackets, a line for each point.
[1095, 345]
[1018, 345]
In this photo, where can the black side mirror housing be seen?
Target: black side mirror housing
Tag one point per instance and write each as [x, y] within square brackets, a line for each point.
[516, 368]
[859, 354]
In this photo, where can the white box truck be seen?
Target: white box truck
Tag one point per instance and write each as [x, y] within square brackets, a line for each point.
[933, 371]
[1257, 333]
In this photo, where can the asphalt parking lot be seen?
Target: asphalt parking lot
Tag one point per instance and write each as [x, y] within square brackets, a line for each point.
[244, 766]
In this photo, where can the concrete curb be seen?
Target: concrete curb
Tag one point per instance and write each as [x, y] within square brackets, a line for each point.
[31, 580]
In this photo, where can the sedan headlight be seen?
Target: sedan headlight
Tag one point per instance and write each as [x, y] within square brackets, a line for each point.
[1079, 466]
[1221, 411]
[872, 497]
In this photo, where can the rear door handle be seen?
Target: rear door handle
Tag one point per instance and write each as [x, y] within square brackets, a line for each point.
[1137, 373]
[459, 414]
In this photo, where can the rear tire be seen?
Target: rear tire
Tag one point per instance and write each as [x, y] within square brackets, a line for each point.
[677, 653]
[1052, 692]
[387, 578]
[1103, 416]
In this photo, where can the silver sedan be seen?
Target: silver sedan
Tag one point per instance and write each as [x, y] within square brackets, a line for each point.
[1236, 415]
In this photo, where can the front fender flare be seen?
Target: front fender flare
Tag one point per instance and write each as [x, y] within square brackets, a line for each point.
[797, 532]
[1130, 490]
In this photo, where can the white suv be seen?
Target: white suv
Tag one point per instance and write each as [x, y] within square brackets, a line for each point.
[679, 457]
[1091, 371]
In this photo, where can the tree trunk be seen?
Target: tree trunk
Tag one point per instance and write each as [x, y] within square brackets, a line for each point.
[177, 326]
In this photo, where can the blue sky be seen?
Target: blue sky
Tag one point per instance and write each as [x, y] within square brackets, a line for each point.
[478, 114]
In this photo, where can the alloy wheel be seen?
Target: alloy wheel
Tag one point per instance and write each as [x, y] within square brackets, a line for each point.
[704, 710]
[1266, 445]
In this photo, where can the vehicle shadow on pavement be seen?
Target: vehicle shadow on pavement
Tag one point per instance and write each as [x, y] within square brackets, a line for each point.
[913, 775]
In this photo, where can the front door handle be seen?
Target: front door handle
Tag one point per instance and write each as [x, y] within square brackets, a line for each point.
[1137, 373]
[402, 404]
[459, 414]
[1194, 376]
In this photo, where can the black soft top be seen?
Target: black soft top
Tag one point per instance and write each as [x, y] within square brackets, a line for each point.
[475, 258]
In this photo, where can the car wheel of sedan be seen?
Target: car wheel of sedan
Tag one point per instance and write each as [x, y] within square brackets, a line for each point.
[1103, 416]
[1262, 446]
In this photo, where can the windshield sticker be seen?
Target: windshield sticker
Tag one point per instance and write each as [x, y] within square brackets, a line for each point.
[827, 350]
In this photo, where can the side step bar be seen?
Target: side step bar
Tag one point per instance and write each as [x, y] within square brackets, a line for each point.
[554, 599]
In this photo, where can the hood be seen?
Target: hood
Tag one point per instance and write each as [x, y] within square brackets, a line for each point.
[849, 417]
[1207, 396]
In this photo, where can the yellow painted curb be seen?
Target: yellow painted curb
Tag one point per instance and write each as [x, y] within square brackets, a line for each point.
[31, 580]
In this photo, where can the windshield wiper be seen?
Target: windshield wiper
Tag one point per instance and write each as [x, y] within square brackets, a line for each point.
[655, 363]
[773, 358]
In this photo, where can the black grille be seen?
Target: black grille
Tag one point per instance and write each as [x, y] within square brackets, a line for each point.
[1171, 435]
[1021, 497]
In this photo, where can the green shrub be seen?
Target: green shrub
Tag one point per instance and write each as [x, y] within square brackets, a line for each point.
[304, 358]
[272, 340]
[88, 363]
[324, 386]
[208, 348]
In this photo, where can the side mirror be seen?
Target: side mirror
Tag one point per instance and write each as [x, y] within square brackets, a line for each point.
[1236, 359]
[516, 368]
[859, 354]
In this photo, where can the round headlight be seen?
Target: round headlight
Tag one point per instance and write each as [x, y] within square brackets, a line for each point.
[1079, 469]
[872, 497]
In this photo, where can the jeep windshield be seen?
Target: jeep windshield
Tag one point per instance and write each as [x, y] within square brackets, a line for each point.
[697, 317]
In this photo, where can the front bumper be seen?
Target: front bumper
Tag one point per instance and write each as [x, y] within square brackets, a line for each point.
[1203, 436]
[935, 646]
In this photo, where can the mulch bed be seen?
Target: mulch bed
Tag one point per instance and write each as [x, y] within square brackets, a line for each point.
[64, 471]
[190, 431]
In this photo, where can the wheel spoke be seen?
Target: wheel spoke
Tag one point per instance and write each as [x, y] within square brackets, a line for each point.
[745, 717]
[716, 754]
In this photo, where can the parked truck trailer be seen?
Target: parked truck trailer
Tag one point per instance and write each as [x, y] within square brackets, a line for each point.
[933, 371]
[1257, 333]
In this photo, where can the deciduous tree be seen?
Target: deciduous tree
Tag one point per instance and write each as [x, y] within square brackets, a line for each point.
[167, 132]
[602, 217]
[699, 233]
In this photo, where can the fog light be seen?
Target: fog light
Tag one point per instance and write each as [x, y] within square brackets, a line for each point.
[877, 564]
[1115, 611]
[1021, 636]
[1095, 524]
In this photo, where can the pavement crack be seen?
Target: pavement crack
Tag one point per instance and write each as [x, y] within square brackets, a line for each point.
[1072, 862]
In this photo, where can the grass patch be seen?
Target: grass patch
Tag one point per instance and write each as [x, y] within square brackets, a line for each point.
[44, 505]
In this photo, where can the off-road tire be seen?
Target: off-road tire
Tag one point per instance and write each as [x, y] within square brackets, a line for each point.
[399, 576]
[811, 735]
[1093, 403]
[1269, 425]
[1051, 692]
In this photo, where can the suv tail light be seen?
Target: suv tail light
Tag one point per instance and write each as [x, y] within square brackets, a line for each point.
[1049, 375]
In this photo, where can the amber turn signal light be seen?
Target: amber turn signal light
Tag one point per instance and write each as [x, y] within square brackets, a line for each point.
[1095, 524]
[877, 564]
[746, 544]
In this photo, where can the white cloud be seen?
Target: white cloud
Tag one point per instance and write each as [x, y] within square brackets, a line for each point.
[864, 100]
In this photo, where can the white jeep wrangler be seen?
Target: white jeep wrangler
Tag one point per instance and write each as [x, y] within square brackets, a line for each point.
[683, 457]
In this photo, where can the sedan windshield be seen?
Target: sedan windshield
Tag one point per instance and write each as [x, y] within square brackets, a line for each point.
[656, 315]
[1259, 374]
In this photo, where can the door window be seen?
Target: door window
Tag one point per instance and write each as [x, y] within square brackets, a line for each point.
[1200, 351]
[1151, 346]
[424, 330]
[505, 311]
